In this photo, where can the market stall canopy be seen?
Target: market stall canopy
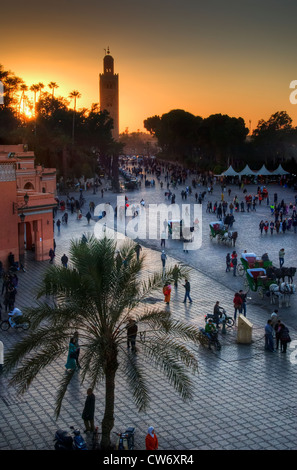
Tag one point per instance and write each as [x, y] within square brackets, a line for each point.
[280, 171]
[230, 172]
[263, 171]
[247, 171]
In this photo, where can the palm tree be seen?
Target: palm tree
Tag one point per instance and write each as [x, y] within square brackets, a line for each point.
[96, 297]
[35, 89]
[23, 88]
[40, 87]
[75, 95]
[52, 86]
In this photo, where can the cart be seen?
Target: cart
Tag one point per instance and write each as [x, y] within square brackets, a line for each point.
[218, 231]
[258, 281]
[251, 261]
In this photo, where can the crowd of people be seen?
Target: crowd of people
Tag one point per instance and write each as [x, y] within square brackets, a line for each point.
[276, 334]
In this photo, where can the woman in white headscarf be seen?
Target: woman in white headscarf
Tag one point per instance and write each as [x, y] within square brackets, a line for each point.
[151, 440]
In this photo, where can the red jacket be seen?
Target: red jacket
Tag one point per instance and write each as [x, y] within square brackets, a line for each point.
[151, 443]
[237, 301]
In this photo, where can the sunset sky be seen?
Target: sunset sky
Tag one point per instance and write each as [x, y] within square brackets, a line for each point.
[234, 57]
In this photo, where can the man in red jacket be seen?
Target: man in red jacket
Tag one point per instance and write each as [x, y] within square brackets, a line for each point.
[151, 440]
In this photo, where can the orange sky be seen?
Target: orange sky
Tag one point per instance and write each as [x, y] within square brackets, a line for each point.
[231, 57]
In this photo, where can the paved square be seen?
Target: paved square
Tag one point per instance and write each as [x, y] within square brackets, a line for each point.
[245, 398]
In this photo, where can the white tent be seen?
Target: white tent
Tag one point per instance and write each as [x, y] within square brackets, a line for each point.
[230, 172]
[247, 171]
[280, 171]
[263, 171]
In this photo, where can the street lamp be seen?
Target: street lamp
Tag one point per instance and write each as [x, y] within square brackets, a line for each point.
[16, 207]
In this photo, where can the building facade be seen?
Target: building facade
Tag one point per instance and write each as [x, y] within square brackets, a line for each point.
[26, 209]
[109, 92]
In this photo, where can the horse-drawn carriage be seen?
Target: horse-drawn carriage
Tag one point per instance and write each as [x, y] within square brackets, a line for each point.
[251, 261]
[219, 231]
[258, 281]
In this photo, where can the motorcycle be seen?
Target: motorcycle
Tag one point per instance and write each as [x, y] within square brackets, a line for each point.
[10, 323]
[211, 339]
[229, 321]
[125, 439]
[64, 441]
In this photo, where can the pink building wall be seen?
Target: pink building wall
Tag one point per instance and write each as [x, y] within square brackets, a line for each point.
[20, 176]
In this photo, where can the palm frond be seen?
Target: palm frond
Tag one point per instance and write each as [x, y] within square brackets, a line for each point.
[31, 367]
[65, 381]
[169, 358]
[137, 382]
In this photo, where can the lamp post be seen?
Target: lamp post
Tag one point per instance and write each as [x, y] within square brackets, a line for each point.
[17, 207]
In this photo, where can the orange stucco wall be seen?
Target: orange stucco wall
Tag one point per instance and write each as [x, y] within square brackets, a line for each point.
[9, 222]
[37, 229]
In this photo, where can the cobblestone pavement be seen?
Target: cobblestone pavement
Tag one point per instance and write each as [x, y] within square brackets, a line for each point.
[245, 398]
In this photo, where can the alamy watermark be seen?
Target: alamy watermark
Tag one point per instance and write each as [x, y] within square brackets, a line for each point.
[293, 94]
[1, 93]
[153, 222]
[293, 355]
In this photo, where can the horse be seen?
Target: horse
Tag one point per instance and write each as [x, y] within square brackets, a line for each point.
[229, 237]
[282, 293]
[275, 293]
[289, 272]
[287, 290]
[278, 274]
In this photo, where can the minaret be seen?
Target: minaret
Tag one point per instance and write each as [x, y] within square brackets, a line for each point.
[109, 92]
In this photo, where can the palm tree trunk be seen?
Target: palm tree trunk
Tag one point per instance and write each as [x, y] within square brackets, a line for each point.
[108, 419]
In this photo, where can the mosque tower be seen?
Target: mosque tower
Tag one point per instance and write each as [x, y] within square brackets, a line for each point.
[109, 92]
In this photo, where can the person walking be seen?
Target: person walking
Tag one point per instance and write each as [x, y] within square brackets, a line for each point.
[64, 260]
[281, 257]
[234, 262]
[228, 262]
[167, 292]
[284, 337]
[269, 343]
[138, 249]
[58, 225]
[132, 329]
[77, 351]
[89, 411]
[51, 255]
[237, 302]
[71, 358]
[88, 216]
[187, 286]
[163, 238]
[163, 258]
[151, 440]
[175, 275]
[261, 226]
[243, 296]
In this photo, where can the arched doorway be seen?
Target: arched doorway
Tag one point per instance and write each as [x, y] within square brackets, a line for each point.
[29, 186]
